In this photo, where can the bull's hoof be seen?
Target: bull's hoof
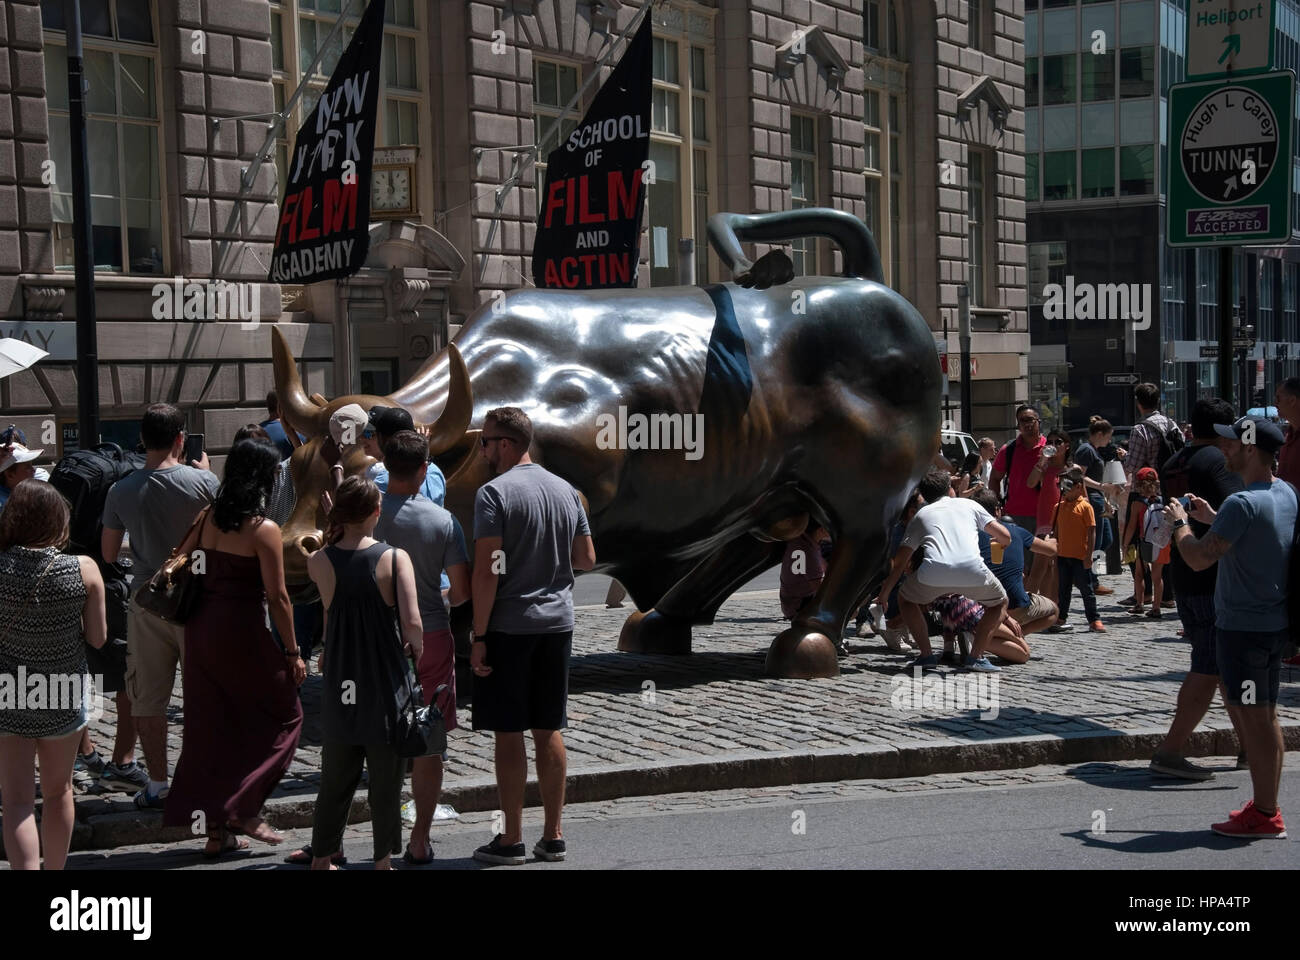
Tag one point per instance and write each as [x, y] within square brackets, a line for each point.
[799, 654]
[652, 632]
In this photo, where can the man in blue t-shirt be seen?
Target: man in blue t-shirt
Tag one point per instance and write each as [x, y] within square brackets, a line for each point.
[1250, 536]
[1032, 611]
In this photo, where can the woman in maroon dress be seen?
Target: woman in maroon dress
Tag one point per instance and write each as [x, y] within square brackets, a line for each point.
[242, 714]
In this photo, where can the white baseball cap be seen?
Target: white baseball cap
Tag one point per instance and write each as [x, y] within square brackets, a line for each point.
[348, 416]
[13, 455]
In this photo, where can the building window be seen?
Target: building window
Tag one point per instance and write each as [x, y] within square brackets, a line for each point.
[803, 187]
[1097, 76]
[1059, 78]
[896, 192]
[666, 97]
[974, 28]
[1098, 173]
[1137, 72]
[1059, 176]
[1031, 178]
[1031, 81]
[1136, 170]
[122, 132]
[681, 148]
[871, 24]
[554, 85]
[977, 196]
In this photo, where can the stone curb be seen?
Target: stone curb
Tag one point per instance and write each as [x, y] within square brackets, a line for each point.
[106, 828]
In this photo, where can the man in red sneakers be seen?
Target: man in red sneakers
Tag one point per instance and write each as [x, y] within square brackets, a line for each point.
[1250, 537]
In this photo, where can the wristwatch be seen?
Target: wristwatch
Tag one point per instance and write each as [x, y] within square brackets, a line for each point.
[1180, 522]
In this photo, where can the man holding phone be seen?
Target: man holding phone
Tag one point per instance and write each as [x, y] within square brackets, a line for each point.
[155, 505]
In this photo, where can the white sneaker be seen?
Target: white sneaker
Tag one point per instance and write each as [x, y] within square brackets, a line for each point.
[897, 640]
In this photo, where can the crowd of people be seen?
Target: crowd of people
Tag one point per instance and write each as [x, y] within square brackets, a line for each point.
[985, 554]
[1209, 518]
[393, 563]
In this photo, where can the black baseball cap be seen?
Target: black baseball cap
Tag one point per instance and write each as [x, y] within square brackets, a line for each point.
[1267, 435]
[390, 420]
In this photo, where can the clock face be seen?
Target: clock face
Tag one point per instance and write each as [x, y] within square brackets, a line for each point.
[391, 189]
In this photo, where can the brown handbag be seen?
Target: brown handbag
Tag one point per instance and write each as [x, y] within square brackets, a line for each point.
[172, 593]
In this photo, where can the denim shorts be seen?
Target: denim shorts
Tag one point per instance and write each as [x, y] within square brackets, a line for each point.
[1251, 661]
[1197, 614]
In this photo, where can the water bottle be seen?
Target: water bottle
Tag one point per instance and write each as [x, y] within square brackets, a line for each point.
[1049, 452]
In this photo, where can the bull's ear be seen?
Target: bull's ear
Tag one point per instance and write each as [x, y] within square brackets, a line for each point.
[452, 461]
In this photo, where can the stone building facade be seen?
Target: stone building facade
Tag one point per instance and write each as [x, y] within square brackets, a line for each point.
[883, 108]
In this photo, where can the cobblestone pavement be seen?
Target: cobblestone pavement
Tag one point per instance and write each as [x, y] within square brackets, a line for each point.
[640, 709]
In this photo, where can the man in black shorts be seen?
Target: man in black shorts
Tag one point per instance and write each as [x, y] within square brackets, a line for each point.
[530, 534]
[1201, 469]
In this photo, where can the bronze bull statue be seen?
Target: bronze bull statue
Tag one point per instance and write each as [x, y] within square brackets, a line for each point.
[812, 397]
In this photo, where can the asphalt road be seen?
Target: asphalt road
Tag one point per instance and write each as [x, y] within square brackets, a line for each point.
[591, 588]
[1091, 816]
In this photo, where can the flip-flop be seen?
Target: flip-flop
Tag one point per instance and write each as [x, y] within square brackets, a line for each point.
[231, 844]
[304, 856]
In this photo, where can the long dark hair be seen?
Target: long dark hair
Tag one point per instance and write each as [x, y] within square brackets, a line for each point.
[246, 487]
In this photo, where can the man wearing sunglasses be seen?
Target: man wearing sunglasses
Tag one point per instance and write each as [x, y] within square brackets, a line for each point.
[1020, 505]
[530, 534]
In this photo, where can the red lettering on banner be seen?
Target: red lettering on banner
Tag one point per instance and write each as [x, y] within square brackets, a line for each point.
[287, 218]
[623, 204]
[554, 202]
[306, 233]
[340, 199]
[619, 268]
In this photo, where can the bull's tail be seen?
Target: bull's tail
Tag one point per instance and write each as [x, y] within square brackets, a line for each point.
[861, 256]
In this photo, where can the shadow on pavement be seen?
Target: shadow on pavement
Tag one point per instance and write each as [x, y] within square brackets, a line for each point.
[1160, 841]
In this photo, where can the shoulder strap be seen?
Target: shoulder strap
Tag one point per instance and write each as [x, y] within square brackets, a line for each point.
[1056, 514]
[198, 522]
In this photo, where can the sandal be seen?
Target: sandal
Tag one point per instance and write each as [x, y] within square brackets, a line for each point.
[415, 861]
[229, 843]
[260, 831]
[304, 856]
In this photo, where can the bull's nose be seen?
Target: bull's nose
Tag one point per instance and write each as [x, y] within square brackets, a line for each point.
[310, 542]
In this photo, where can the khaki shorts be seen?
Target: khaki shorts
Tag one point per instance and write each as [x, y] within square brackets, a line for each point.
[1039, 606]
[154, 648]
[988, 591]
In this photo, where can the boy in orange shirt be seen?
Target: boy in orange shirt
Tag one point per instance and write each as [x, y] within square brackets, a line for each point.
[1076, 533]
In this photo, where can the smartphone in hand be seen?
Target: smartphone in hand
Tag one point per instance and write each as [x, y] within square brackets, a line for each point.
[193, 448]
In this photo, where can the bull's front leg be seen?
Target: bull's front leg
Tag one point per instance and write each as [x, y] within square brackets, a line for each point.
[697, 596]
[808, 648]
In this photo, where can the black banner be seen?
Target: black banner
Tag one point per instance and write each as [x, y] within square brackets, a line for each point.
[589, 214]
[324, 228]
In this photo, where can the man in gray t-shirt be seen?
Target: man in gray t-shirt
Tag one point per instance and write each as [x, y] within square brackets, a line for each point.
[530, 534]
[156, 506]
[431, 536]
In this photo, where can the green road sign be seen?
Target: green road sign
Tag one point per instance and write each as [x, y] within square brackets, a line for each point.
[1230, 150]
[1229, 37]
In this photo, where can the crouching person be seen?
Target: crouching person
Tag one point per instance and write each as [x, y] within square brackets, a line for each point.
[947, 530]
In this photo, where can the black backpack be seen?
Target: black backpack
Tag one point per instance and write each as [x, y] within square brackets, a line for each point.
[1171, 441]
[84, 477]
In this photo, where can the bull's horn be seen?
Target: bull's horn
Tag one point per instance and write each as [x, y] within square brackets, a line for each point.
[450, 427]
[295, 407]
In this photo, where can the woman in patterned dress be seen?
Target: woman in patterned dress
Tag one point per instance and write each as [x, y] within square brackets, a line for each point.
[48, 601]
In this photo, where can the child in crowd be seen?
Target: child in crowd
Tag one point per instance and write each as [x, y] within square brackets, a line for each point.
[1076, 533]
[1150, 560]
